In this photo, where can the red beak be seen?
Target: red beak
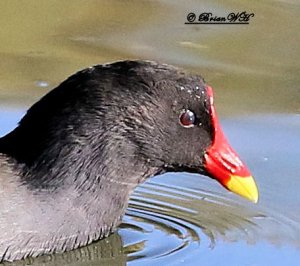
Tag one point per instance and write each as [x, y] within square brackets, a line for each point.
[223, 164]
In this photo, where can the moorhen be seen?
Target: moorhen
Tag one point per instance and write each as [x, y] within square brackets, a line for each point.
[67, 170]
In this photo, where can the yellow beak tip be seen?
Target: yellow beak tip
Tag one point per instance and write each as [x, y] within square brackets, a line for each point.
[254, 199]
[243, 186]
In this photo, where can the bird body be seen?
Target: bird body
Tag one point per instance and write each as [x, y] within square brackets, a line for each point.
[68, 169]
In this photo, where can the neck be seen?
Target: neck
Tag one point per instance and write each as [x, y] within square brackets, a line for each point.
[78, 191]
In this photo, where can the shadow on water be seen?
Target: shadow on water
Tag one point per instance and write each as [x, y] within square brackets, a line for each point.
[106, 252]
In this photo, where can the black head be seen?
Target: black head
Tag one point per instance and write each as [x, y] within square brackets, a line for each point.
[130, 112]
[165, 113]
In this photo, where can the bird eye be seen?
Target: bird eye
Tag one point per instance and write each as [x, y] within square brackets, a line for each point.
[187, 118]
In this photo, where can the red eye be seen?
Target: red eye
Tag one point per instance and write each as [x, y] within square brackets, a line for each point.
[187, 118]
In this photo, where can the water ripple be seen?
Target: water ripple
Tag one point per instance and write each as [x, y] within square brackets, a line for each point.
[164, 220]
[171, 224]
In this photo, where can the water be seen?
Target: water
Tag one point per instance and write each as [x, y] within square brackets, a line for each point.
[179, 219]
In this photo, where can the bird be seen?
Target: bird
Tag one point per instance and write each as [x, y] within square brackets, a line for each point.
[69, 167]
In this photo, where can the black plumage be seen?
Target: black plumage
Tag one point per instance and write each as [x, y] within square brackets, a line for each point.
[68, 169]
